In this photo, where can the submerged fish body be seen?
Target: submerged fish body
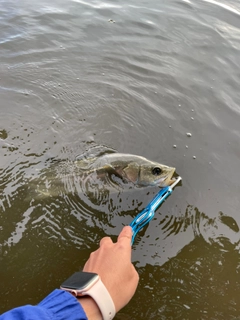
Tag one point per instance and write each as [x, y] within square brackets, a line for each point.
[98, 173]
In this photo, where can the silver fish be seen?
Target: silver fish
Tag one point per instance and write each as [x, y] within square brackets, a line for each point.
[131, 168]
[65, 177]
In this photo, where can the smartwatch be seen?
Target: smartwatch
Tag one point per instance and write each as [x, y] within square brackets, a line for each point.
[88, 283]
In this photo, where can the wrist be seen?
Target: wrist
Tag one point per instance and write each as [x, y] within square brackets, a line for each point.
[90, 307]
[89, 284]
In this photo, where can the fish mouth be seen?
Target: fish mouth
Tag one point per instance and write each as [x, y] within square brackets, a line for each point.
[168, 179]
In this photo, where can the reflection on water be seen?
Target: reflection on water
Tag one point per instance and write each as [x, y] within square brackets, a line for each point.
[174, 232]
[71, 80]
[100, 183]
[176, 282]
[201, 282]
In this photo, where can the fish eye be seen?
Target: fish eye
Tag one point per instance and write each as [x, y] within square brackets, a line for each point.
[156, 171]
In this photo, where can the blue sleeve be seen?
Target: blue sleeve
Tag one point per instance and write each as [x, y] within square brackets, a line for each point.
[58, 305]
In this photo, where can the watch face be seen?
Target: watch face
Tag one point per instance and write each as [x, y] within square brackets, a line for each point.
[80, 281]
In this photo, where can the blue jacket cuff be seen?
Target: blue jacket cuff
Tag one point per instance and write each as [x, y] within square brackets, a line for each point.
[62, 305]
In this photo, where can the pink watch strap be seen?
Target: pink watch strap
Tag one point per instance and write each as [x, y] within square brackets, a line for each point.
[101, 296]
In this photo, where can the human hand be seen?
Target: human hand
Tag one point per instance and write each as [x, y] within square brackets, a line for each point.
[112, 262]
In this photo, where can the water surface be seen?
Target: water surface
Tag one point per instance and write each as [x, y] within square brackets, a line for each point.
[132, 77]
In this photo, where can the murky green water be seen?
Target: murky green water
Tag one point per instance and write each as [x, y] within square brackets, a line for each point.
[70, 81]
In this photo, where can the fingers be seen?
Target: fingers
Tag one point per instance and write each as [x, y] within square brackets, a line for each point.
[105, 241]
[126, 235]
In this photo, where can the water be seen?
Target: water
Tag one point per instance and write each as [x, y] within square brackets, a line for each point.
[70, 81]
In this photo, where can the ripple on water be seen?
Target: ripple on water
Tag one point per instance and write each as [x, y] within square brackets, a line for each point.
[58, 201]
[70, 79]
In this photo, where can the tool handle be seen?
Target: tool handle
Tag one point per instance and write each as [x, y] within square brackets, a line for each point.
[146, 215]
[140, 221]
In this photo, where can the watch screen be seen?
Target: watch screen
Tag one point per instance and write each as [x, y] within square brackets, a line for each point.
[79, 280]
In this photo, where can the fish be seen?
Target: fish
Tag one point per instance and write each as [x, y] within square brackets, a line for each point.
[133, 168]
[99, 173]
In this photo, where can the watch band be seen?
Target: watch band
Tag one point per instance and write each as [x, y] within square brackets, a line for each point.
[101, 296]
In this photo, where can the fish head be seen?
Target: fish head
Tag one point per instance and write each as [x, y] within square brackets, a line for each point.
[148, 173]
[156, 174]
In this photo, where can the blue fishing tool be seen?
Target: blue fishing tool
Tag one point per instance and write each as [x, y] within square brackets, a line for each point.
[146, 215]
